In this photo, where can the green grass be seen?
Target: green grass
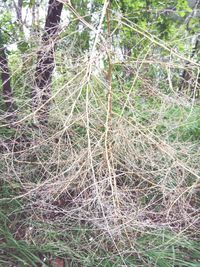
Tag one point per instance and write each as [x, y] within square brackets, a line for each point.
[161, 249]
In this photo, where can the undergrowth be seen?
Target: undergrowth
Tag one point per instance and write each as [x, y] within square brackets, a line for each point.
[113, 179]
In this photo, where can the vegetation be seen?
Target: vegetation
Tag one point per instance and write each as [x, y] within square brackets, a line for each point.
[99, 133]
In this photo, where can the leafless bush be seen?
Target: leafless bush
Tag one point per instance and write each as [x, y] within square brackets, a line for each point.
[116, 175]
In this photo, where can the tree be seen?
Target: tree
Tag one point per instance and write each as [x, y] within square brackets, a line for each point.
[18, 8]
[45, 61]
[186, 76]
[6, 37]
[6, 85]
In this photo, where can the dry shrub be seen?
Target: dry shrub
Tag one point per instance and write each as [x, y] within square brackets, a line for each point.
[119, 177]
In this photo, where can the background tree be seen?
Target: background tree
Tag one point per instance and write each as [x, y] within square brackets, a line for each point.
[6, 37]
[187, 82]
[18, 7]
[45, 65]
[6, 85]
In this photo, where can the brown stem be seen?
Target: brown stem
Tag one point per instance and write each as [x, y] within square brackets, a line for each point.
[110, 67]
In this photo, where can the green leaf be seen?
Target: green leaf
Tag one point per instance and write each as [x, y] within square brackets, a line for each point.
[182, 13]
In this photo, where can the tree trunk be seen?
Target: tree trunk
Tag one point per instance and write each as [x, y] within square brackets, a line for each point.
[45, 62]
[187, 81]
[18, 8]
[186, 77]
[6, 86]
